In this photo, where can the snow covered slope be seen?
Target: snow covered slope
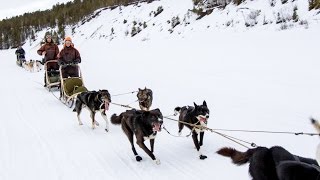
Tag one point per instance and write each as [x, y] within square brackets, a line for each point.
[171, 19]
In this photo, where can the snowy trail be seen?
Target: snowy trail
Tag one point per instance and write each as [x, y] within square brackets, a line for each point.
[41, 139]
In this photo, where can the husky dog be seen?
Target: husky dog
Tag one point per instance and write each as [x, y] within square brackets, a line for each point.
[265, 162]
[141, 124]
[296, 170]
[145, 98]
[94, 101]
[197, 115]
[38, 66]
[29, 66]
[316, 125]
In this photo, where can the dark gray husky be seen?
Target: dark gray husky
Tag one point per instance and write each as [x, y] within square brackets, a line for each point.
[94, 101]
[143, 125]
[197, 115]
[145, 98]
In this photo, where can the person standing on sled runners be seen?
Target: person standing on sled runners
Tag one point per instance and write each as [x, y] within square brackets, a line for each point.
[49, 50]
[67, 57]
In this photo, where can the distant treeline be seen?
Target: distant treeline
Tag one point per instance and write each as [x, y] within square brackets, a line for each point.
[14, 31]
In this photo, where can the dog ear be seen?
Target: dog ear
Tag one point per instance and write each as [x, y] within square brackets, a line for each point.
[145, 88]
[204, 103]
[139, 89]
[158, 110]
[195, 105]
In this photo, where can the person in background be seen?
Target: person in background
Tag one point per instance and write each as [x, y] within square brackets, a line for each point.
[20, 53]
[49, 50]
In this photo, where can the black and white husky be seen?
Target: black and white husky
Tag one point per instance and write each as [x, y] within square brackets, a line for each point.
[94, 101]
[197, 115]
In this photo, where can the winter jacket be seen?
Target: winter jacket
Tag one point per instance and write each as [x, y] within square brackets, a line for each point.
[51, 50]
[69, 55]
[20, 53]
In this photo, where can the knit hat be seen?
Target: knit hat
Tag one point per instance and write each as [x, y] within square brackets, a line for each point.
[67, 39]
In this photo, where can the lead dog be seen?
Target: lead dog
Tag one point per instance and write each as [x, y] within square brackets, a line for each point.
[197, 115]
[142, 124]
[94, 101]
[145, 97]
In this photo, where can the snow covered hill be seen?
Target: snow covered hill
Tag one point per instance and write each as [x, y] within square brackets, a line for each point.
[256, 79]
[168, 19]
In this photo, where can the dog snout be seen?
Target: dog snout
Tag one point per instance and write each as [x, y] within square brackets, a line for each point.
[207, 116]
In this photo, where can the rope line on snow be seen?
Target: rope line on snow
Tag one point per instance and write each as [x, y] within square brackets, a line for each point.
[124, 93]
[231, 138]
[269, 132]
[122, 105]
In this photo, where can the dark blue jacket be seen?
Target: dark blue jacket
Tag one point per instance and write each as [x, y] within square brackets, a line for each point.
[20, 53]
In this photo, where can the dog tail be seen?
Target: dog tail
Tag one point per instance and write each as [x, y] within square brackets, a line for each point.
[237, 157]
[116, 119]
[177, 110]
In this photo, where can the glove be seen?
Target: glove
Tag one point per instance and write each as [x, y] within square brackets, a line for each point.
[61, 63]
[77, 61]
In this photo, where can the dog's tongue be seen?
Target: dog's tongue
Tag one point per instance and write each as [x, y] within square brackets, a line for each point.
[106, 105]
[156, 127]
[202, 119]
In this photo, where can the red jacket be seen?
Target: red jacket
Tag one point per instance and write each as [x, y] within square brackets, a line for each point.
[51, 49]
[69, 55]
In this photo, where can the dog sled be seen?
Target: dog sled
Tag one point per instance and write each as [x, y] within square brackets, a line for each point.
[52, 74]
[71, 84]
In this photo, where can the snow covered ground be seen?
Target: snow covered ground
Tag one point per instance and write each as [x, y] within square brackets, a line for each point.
[253, 80]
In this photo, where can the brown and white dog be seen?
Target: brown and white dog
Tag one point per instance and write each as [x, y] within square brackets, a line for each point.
[29, 66]
[145, 97]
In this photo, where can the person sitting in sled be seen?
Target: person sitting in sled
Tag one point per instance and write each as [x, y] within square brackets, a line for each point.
[67, 57]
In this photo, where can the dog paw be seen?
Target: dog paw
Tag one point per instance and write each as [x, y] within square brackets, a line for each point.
[200, 144]
[157, 161]
[107, 130]
[179, 133]
[80, 123]
[138, 158]
[202, 157]
[96, 123]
